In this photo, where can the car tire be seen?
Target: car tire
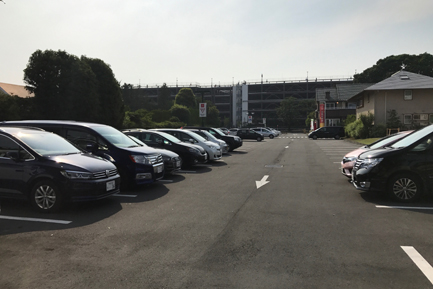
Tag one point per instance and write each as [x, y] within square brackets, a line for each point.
[405, 187]
[46, 197]
[337, 137]
[259, 139]
[271, 136]
[229, 148]
[314, 137]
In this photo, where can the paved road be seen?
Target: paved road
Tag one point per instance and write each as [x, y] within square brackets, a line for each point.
[211, 227]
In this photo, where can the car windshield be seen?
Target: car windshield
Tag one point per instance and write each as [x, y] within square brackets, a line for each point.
[413, 137]
[171, 138]
[48, 144]
[196, 136]
[219, 132]
[137, 140]
[209, 135]
[386, 140]
[115, 137]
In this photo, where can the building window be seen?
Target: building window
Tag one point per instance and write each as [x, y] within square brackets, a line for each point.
[351, 105]
[360, 103]
[332, 122]
[431, 118]
[330, 105]
[407, 119]
[408, 94]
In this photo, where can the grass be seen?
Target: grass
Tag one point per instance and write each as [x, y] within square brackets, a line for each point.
[366, 141]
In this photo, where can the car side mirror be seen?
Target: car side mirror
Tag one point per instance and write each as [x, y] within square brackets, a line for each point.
[191, 140]
[166, 142]
[91, 147]
[13, 155]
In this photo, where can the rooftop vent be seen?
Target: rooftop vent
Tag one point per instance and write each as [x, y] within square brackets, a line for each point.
[404, 77]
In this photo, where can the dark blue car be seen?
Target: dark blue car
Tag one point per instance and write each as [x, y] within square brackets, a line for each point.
[49, 171]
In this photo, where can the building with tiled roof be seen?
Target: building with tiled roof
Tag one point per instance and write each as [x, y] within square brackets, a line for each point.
[13, 89]
[409, 94]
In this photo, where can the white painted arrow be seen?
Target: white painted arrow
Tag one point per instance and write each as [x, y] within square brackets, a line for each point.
[262, 182]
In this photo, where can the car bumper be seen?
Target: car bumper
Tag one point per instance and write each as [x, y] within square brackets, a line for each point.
[89, 190]
[364, 180]
[172, 165]
[346, 169]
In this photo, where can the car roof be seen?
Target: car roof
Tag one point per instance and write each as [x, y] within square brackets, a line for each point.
[59, 122]
[12, 130]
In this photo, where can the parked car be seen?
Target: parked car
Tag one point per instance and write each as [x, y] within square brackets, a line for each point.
[208, 136]
[403, 169]
[277, 132]
[350, 158]
[336, 132]
[136, 164]
[49, 171]
[245, 133]
[190, 154]
[233, 131]
[265, 132]
[233, 142]
[213, 151]
[172, 161]
[224, 130]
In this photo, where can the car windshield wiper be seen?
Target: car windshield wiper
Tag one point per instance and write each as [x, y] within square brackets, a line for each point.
[133, 146]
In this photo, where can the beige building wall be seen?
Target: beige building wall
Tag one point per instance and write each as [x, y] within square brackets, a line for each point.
[380, 102]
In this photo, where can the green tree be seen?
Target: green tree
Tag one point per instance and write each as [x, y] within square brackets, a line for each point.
[164, 97]
[181, 112]
[386, 67]
[393, 121]
[293, 111]
[9, 107]
[109, 93]
[64, 87]
[186, 97]
[212, 117]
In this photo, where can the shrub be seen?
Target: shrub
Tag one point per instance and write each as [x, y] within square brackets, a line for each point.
[378, 131]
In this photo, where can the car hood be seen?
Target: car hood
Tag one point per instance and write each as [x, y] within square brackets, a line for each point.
[167, 153]
[379, 153]
[356, 152]
[81, 162]
[143, 150]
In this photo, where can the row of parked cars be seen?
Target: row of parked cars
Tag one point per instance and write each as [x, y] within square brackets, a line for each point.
[52, 162]
[400, 165]
[258, 133]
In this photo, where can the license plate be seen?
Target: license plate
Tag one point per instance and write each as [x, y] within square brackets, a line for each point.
[158, 169]
[177, 163]
[111, 185]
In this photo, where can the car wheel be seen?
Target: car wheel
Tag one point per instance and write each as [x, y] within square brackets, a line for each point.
[45, 197]
[337, 137]
[405, 187]
[314, 137]
[271, 136]
[229, 148]
[259, 139]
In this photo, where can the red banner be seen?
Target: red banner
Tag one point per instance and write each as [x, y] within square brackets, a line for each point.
[322, 114]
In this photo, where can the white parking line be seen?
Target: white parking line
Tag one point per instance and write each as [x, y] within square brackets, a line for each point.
[422, 264]
[403, 207]
[36, 220]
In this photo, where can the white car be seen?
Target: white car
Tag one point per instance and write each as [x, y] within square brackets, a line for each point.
[208, 136]
[277, 132]
[265, 132]
[213, 150]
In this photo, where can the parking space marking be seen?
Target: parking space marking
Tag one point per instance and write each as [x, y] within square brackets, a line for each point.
[287, 147]
[187, 172]
[403, 207]
[128, 196]
[36, 220]
[422, 264]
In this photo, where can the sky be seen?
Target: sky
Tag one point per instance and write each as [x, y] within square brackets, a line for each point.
[151, 42]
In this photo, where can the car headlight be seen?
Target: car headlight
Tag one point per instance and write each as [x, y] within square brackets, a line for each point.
[194, 150]
[140, 159]
[76, 175]
[349, 159]
[370, 163]
[238, 138]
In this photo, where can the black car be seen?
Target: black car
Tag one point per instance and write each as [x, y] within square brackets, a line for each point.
[172, 161]
[336, 132]
[48, 170]
[404, 169]
[233, 142]
[190, 154]
[137, 165]
[245, 133]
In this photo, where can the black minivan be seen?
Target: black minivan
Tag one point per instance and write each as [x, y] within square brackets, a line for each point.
[404, 170]
[336, 132]
[137, 165]
[190, 154]
[49, 171]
